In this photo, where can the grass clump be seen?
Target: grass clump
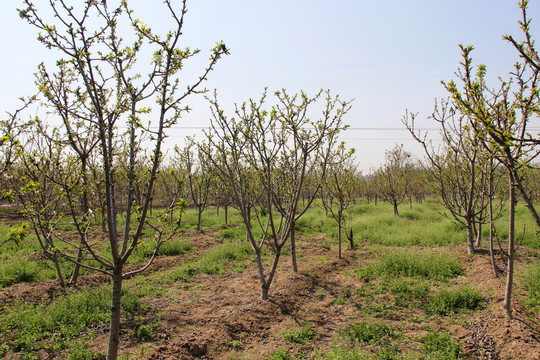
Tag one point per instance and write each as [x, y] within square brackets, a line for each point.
[407, 290]
[441, 346]
[216, 261]
[279, 354]
[369, 333]
[18, 270]
[532, 284]
[175, 247]
[448, 301]
[413, 264]
[299, 336]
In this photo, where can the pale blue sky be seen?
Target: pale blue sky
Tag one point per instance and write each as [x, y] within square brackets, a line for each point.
[388, 55]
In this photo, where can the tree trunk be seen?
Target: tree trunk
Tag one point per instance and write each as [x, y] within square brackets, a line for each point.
[199, 213]
[479, 235]
[350, 237]
[85, 208]
[510, 266]
[226, 208]
[470, 237]
[293, 250]
[396, 212]
[58, 271]
[491, 229]
[339, 234]
[116, 296]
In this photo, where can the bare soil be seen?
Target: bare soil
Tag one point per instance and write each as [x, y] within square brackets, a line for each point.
[222, 316]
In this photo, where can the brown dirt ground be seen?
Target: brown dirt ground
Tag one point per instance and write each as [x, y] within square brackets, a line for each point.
[222, 317]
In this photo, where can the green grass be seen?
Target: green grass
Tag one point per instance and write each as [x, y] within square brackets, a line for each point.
[412, 264]
[369, 333]
[64, 319]
[223, 258]
[279, 354]
[441, 346]
[448, 301]
[299, 336]
[175, 247]
[531, 281]
[18, 270]
[408, 291]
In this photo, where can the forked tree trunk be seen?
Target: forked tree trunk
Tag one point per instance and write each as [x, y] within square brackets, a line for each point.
[116, 296]
[510, 265]
[396, 212]
[266, 281]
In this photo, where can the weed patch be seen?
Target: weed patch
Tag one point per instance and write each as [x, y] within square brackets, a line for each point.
[448, 301]
[175, 247]
[369, 333]
[440, 346]
[63, 319]
[407, 290]
[532, 284]
[299, 336]
[18, 270]
[412, 264]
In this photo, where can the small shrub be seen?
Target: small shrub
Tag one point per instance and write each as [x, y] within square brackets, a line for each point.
[448, 301]
[143, 333]
[369, 333]
[440, 346]
[299, 336]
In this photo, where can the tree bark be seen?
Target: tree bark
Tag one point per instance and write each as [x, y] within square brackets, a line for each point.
[511, 238]
[116, 296]
[293, 250]
[470, 237]
[199, 213]
[339, 234]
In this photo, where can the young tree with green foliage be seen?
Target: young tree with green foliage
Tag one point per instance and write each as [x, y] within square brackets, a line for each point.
[456, 167]
[108, 81]
[342, 189]
[249, 152]
[393, 178]
[500, 118]
[305, 155]
[197, 174]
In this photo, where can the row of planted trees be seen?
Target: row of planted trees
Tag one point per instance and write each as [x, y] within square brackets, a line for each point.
[271, 159]
[489, 153]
